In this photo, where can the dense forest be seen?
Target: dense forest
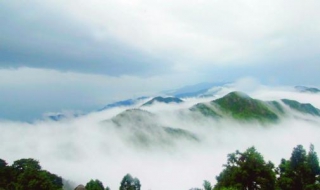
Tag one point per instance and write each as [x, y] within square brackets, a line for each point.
[243, 171]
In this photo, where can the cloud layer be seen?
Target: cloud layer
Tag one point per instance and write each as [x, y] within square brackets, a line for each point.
[84, 148]
[152, 37]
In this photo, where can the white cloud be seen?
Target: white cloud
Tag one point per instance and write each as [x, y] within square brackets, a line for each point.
[85, 148]
[208, 32]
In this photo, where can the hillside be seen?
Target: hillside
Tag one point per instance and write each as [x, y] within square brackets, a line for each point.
[166, 100]
[307, 89]
[240, 106]
[304, 108]
[143, 129]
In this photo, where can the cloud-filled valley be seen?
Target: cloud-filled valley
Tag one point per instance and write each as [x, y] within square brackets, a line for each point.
[96, 90]
[156, 142]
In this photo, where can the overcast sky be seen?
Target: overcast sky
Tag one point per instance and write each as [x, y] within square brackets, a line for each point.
[80, 55]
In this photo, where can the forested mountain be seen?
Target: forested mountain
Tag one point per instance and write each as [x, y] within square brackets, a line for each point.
[240, 106]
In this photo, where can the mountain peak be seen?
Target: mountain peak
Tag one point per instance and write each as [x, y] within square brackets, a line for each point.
[237, 94]
[242, 106]
[166, 100]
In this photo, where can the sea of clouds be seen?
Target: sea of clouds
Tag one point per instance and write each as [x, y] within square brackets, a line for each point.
[84, 148]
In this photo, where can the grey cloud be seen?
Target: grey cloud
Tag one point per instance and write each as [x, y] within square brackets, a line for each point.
[145, 38]
[36, 36]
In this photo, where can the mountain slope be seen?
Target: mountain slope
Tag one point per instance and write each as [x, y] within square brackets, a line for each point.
[240, 106]
[160, 99]
[206, 109]
[303, 108]
[143, 129]
[128, 102]
[307, 89]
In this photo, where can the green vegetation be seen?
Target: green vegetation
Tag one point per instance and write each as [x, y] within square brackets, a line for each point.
[243, 171]
[207, 185]
[301, 171]
[276, 107]
[130, 183]
[205, 110]
[304, 108]
[248, 170]
[94, 185]
[242, 107]
[26, 174]
[166, 100]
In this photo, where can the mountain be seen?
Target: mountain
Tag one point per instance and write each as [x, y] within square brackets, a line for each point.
[304, 108]
[61, 116]
[240, 106]
[160, 99]
[200, 89]
[128, 102]
[307, 89]
[143, 129]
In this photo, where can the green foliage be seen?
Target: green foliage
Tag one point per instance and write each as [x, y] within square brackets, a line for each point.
[205, 110]
[304, 108]
[130, 183]
[276, 106]
[26, 174]
[241, 106]
[207, 185]
[94, 185]
[246, 170]
[26, 164]
[301, 171]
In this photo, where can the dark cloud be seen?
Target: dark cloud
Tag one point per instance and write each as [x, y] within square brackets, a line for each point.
[35, 36]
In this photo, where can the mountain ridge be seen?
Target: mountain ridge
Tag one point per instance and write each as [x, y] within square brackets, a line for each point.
[240, 106]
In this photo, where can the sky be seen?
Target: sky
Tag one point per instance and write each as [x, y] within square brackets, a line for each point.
[81, 55]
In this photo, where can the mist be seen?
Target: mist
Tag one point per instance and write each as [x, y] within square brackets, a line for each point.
[93, 147]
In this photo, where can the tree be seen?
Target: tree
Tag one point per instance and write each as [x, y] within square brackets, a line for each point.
[301, 171]
[26, 164]
[130, 183]
[4, 174]
[26, 174]
[313, 166]
[207, 185]
[248, 171]
[94, 185]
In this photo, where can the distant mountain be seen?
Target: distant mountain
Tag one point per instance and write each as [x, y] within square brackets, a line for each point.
[57, 117]
[307, 89]
[304, 108]
[242, 107]
[143, 129]
[160, 99]
[128, 102]
[196, 90]
[61, 116]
